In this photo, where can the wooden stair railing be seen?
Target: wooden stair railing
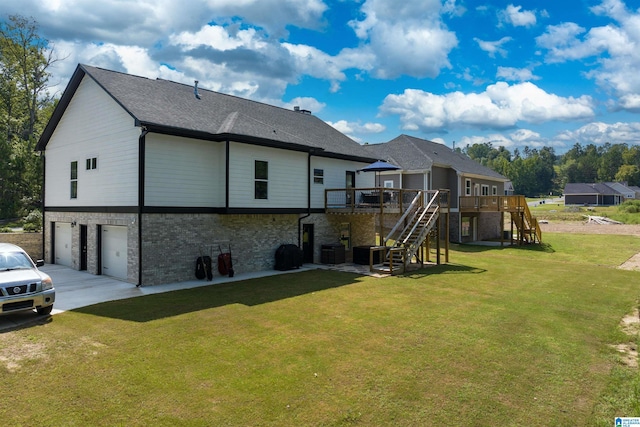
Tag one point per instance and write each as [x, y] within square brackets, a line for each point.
[407, 239]
[528, 227]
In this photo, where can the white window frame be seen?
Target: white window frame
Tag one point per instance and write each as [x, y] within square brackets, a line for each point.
[467, 187]
[318, 176]
[258, 180]
[91, 163]
[73, 180]
[484, 190]
[494, 190]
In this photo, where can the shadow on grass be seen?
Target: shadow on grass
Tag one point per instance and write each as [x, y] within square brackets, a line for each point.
[443, 269]
[471, 248]
[248, 292]
[24, 320]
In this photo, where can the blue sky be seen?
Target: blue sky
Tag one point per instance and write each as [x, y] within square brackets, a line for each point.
[516, 74]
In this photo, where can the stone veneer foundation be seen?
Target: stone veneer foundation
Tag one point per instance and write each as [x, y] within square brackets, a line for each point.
[171, 242]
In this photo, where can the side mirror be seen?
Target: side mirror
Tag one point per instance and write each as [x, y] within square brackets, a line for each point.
[39, 263]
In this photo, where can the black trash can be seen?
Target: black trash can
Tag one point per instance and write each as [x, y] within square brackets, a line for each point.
[288, 257]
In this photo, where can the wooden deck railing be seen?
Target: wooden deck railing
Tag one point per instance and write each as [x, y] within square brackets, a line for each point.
[516, 205]
[374, 200]
[493, 204]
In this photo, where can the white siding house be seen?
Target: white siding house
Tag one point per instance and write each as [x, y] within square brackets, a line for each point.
[184, 172]
[285, 189]
[142, 177]
[112, 141]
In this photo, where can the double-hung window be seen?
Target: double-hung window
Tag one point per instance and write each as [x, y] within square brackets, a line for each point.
[261, 176]
[485, 190]
[467, 187]
[318, 176]
[74, 180]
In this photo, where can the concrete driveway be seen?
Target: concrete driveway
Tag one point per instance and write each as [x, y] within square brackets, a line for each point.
[75, 289]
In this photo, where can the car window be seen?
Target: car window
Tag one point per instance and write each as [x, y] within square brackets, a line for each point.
[14, 261]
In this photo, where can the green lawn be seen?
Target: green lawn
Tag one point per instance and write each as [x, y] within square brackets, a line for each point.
[499, 337]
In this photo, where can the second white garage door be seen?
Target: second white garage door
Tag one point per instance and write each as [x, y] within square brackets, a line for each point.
[114, 251]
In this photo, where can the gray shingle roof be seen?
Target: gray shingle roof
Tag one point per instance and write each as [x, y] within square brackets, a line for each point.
[583, 188]
[417, 154]
[173, 107]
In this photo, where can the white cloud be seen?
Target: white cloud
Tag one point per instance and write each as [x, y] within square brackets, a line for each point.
[406, 38]
[615, 46]
[315, 63]
[218, 42]
[601, 133]
[517, 18]
[357, 131]
[499, 106]
[493, 47]
[125, 58]
[219, 38]
[305, 103]
[514, 140]
[516, 74]
[354, 128]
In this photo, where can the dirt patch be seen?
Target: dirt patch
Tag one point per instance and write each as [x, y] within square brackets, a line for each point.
[630, 325]
[628, 354]
[16, 350]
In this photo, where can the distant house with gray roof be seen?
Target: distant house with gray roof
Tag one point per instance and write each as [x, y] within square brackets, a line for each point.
[596, 194]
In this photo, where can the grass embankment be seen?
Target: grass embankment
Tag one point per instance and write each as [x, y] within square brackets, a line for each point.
[511, 336]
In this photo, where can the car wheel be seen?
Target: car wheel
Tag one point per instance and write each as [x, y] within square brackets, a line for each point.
[43, 311]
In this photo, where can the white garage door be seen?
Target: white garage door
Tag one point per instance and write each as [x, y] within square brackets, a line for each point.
[62, 246]
[114, 251]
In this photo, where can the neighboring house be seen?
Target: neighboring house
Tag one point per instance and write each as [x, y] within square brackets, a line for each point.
[428, 165]
[508, 189]
[636, 191]
[622, 188]
[597, 194]
[143, 176]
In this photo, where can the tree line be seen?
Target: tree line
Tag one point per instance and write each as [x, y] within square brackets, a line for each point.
[25, 107]
[536, 172]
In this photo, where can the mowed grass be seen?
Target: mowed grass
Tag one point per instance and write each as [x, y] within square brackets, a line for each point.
[500, 336]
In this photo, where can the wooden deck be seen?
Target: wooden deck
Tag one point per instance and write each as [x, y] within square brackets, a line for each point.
[512, 204]
[528, 228]
[396, 201]
[375, 200]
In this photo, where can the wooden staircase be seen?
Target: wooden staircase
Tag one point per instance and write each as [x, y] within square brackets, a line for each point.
[527, 225]
[410, 232]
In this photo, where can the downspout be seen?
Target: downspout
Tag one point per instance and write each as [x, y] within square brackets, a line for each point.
[141, 173]
[226, 177]
[308, 199]
[458, 204]
[42, 194]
